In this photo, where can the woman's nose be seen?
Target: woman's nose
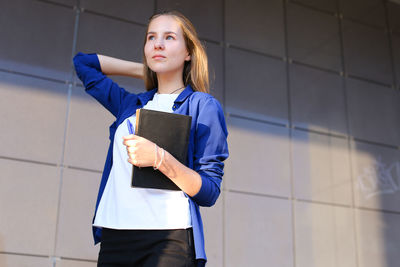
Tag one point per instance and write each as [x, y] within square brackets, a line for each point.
[159, 44]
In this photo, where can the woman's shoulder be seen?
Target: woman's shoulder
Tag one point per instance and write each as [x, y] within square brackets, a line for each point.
[204, 98]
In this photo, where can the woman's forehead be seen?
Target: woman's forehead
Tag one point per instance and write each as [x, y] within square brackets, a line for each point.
[164, 23]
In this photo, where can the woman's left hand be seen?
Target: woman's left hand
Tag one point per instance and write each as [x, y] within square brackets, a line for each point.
[141, 152]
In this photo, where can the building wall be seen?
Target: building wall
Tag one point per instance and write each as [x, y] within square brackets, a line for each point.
[311, 91]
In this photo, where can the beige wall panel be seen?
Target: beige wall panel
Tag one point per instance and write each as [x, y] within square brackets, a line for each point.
[205, 15]
[321, 168]
[259, 158]
[107, 36]
[133, 10]
[325, 236]
[216, 70]
[213, 232]
[378, 237]
[394, 16]
[255, 25]
[366, 51]
[256, 86]
[317, 100]
[10, 260]
[374, 112]
[28, 207]
[78, 199]
[258, 231]
[396, 54]
[88, 132]
[75, 263]
[376, 174]
[368, 11]
[36, 38]
[313, 37]
[32, 118]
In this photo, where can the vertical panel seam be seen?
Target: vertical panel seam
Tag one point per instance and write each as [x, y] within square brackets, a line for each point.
[349, 139]
[390, 39]
[290, 125]
[70, 83]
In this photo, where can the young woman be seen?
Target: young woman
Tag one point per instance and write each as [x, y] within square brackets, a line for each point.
[154, 227]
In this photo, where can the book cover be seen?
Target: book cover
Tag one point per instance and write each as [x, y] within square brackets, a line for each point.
[169, 131]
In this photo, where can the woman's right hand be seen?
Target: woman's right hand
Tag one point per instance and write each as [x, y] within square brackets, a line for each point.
[141, 152]
[115, 66]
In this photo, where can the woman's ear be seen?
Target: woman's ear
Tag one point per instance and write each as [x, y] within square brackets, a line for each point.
[188, 57]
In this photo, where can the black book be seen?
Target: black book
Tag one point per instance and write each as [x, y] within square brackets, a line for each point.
[169, 131]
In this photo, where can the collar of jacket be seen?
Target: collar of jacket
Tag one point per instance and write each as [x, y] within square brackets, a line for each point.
[183, 95]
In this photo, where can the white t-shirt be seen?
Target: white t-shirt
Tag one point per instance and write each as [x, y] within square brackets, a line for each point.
[124, 207]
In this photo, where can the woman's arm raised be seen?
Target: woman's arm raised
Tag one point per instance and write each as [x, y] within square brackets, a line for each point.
[115, 66]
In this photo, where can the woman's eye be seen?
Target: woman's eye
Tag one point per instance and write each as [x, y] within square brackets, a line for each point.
[150, 37]
[169, 37]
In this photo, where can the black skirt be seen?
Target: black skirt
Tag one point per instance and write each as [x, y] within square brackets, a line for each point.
[147, 248]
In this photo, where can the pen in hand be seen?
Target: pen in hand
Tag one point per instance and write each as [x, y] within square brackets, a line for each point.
[130, 126]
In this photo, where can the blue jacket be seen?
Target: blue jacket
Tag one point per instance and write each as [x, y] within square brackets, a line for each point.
[207, 150]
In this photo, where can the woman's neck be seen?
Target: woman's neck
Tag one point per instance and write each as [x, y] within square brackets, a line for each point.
[168, 84]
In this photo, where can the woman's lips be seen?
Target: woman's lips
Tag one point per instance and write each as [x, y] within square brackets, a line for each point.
[158, 57]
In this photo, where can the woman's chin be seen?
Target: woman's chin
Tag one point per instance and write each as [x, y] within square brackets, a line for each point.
[165, 71]
[157, 68]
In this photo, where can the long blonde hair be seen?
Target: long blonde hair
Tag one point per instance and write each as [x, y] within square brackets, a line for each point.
[195, 71]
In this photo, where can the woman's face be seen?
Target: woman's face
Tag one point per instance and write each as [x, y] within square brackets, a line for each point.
[165, 48]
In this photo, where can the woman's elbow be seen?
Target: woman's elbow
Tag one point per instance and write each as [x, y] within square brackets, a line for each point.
[211, 200]
[208, 194]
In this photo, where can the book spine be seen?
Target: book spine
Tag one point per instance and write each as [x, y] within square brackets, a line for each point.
[137, 121]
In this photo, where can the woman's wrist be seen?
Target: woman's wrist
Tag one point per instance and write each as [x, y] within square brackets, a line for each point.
[158, 160]
[188, 180]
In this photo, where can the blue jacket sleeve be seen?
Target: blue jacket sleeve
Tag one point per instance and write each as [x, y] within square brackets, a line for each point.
[98, 85]
[211, 149]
